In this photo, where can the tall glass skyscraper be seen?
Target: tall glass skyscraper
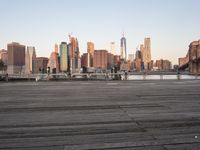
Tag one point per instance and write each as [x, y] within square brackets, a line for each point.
[63, 57]
[123, 48]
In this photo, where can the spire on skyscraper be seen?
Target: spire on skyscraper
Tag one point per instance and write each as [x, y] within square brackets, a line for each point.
[123, 48]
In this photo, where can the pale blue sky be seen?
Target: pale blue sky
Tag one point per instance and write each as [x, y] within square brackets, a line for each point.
[171, 24]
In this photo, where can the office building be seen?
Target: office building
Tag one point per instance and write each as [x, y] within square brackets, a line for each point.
[138, 61]
[85, 60]
[146, 53]
[100, 59]
[116, 60]
[16, 58]
[53, 63]
[63, 57]
[40, 65]
[90, 50]
[163, 65]
[112, 48]
[30, 55]
[110, 58]
[74, 53]
[123, 48]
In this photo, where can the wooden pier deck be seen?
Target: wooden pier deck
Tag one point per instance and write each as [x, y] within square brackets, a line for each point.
[103, 115]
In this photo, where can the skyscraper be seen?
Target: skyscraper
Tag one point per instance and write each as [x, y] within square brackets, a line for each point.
[138, 61]
[146, 53]
[123, 48]
[112, 48]
[16, 58]
[63, 57]
[90, 50]
[85, 60]
[30, 55]
[74, 53]
[53, 61]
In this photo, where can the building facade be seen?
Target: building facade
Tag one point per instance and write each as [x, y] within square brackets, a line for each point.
[146, 53]
[123, 48]
[110, 58]
[138, 64]
[131, 57]
[30, 55]
[63, 57]
[40, 65]
[117, 62]
[112, 48]
[85, 60]
[74, 53]
[16, 58]
[100, 59]
[53, 63]
[163, 65]
[90, 50]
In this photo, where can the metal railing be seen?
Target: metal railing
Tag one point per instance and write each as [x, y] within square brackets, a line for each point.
[98, 76]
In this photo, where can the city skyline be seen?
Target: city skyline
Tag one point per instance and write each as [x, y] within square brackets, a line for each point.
[171, 25]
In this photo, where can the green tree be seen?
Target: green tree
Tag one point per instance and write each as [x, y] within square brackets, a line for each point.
[2, 65]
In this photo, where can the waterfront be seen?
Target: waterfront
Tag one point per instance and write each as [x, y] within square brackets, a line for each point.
[102, 76]
[80, 115]
[163, 77]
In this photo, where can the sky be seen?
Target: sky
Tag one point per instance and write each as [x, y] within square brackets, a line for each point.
[171, 24]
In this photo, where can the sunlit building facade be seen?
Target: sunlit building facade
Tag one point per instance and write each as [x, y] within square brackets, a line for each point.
[163, 65]
[40, 65]
[53, 63]
[30, 55]
[90, 50]
[16, 58]
[100, 59]
[74, 53]
[85, 60]
[138, 65]
[110, 58]
[146, 53]
[112, 48]
[63, 57]
[123, 48]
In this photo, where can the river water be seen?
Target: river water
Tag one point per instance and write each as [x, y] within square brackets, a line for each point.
[162, 77]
